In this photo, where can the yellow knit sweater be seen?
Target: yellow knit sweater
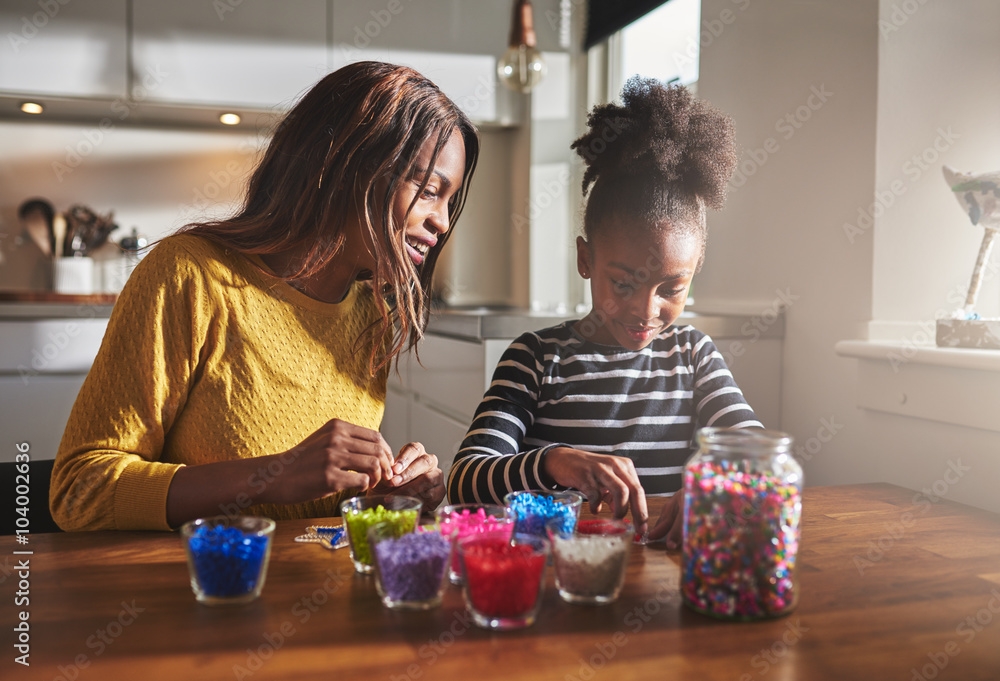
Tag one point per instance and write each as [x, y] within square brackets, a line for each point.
[207, 359]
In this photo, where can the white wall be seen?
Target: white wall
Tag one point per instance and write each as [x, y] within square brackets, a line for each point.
[939, 94]
[780, 233]
[783, 228]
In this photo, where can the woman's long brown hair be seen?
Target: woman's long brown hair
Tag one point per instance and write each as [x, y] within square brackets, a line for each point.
[343, 151]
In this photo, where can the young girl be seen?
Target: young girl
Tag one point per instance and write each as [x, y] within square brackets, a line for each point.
[608, 405]
[244, 365]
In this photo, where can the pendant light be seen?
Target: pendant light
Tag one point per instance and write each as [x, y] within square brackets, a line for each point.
[522, 66]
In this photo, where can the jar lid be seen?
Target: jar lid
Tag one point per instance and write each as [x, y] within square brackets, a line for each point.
[744, 440]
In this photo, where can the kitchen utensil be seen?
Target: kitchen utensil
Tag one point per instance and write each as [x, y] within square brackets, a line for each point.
[36, 215]
[87, 230]
[59, 236]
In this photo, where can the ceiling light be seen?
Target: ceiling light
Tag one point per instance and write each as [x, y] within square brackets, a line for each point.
[32, 107]
[229, 119]
[522, 66]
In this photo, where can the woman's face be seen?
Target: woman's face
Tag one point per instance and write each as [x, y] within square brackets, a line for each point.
[639, 284]
[428, 220]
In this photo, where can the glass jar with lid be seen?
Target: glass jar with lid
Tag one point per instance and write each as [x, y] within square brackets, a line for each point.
[742, 519]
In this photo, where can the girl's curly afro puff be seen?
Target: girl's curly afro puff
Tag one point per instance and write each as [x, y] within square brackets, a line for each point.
[656, 160]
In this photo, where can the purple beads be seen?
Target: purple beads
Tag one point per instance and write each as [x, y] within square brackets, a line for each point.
[411, 568]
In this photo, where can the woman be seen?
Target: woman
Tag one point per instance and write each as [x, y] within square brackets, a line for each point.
[245, 363]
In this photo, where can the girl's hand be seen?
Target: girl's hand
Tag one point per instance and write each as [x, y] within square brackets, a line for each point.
[671, 521]
[415, 473]
[337, 456]
[602, 478]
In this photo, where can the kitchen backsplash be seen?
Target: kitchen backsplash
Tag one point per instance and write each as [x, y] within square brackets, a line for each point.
[158, 180]
[154, 180]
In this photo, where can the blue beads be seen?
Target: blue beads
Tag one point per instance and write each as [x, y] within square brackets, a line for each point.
[226, 561]
[532, 513]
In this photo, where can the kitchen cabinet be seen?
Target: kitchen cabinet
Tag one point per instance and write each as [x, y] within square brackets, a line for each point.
[43, 363]
[68, 49]
[36, 412]
[433, 401]
[455, 43]
[238, 53]
[167, 62]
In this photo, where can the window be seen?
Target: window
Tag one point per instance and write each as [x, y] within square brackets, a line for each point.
[663, 44]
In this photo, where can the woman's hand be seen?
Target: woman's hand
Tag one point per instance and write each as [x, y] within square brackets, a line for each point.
[602, 478]
[415, 473]
[337, 456]
[671, 521]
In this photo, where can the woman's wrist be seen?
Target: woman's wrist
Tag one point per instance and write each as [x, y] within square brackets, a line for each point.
[218, 488]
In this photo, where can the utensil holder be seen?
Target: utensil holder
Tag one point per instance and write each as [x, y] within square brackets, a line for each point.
[73, 276]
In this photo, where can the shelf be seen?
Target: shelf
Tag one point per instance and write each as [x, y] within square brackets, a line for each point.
[947, 385]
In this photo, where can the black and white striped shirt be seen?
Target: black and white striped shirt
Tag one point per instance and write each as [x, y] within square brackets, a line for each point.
[552, 388]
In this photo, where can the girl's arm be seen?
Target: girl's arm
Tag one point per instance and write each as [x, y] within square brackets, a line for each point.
[719, 402]
[493, 459]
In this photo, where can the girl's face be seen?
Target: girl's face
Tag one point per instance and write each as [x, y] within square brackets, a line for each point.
[429, 219]
[639, 283]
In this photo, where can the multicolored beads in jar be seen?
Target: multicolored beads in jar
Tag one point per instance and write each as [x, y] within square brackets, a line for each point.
[742, 519]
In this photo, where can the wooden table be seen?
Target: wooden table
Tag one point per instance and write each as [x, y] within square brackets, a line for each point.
[893, 586]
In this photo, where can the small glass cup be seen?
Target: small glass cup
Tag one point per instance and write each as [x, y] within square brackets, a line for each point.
[410, 567]
[504, 577]
[460, 520]
[533, 509]
[360, 513]
[590, 562]
[227, 557]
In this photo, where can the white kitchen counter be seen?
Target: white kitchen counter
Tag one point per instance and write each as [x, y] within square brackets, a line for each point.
[485, 323]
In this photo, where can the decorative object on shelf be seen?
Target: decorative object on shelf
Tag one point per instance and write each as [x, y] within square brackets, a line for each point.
[979, 196]
[522, 67]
